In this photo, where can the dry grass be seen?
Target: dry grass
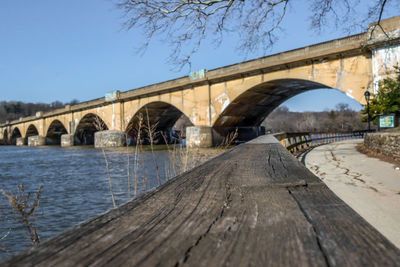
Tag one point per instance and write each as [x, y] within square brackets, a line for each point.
[100, 126]
[109, 178]
[391, 130]
[180, 158]
[172, 157]
[229, 139]
[183, 159]
[24, 207]
[151, 130]
[2, 249]
[138, 148]
[374, 154]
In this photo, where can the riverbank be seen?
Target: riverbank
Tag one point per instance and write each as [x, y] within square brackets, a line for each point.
[368, 185]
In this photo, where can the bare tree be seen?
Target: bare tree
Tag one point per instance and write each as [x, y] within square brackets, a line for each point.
[184, 24]
[341, 119]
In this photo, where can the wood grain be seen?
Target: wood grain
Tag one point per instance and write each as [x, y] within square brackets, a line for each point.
[254, 205]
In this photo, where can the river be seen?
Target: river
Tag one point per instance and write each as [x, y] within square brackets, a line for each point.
[76, 183]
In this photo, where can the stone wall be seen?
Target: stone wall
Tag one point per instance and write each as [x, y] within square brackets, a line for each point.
[385, 143]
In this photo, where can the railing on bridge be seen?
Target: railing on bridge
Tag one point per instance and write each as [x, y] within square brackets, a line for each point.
[295, 142]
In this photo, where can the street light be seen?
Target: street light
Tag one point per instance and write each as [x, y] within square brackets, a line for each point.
[367, 95]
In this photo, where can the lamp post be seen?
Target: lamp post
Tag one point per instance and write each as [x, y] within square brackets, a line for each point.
[367, 95]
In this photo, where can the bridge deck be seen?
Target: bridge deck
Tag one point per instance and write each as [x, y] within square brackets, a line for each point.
[253, 205]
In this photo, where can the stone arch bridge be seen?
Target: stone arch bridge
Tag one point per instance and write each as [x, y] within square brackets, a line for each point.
[239, 95]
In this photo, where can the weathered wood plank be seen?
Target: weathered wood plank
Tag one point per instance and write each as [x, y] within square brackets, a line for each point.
[345, 237]
[254, 205]
[254, 230]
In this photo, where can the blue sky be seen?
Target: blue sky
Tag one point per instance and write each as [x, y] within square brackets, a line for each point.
[63, 50]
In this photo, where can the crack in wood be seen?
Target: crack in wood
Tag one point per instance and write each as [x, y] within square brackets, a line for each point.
[318, 237]
[255, 205]
[226, 205]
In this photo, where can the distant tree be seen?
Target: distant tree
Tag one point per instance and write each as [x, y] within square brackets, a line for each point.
[13, 110]
[342, 119]
[332, 115]
[3, 111]
[184, 24]
[309, 121]
[386, 101]
[57, 104]
[74, 102]
[342, 107]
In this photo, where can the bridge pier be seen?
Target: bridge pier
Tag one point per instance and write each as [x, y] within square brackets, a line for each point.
[67, 140]
[36, 140]
[199, 136]
[21, 141]
[109, 138]
[204, 136]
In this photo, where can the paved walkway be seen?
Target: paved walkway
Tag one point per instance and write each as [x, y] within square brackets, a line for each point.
[370, 186]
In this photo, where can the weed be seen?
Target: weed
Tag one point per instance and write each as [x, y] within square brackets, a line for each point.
[150, 129]
[24, 210]
[229, 139]
[109, 178]
[138, 148]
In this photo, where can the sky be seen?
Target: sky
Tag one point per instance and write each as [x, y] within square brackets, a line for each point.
[63, 50]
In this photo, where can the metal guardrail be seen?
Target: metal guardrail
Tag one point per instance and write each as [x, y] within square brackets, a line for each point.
[295, 142]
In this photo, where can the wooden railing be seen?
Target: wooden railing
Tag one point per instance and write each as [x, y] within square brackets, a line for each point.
[295, 142]
[252, 205]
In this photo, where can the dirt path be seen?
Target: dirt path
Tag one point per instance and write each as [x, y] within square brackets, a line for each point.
[370, 186]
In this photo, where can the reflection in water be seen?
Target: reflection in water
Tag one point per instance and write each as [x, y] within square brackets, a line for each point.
[75, 183]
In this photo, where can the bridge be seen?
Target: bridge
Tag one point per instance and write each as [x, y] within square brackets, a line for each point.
[239, 95]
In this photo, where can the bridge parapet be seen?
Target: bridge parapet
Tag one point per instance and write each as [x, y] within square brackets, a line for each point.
[388, 30]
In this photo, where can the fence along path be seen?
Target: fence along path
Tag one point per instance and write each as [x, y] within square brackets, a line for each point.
[253, 205]
[295, 142]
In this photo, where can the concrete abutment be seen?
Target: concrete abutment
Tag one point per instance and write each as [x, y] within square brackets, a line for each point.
[37, 140]
[204, 136]
[21, 141]
[199, 136]
[67, 140]
[109, 138]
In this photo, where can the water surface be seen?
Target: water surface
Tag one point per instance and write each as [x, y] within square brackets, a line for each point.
[76, 184]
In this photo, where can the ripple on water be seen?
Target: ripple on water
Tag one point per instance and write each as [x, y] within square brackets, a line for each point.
[75, 185]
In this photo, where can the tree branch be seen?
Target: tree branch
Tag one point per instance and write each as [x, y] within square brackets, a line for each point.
[185, 24]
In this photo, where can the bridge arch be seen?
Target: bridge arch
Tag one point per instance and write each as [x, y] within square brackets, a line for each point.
[31, 131]
[162, 117]
[253, 105]
[54, 132]
[88, 125]
[15, 133]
